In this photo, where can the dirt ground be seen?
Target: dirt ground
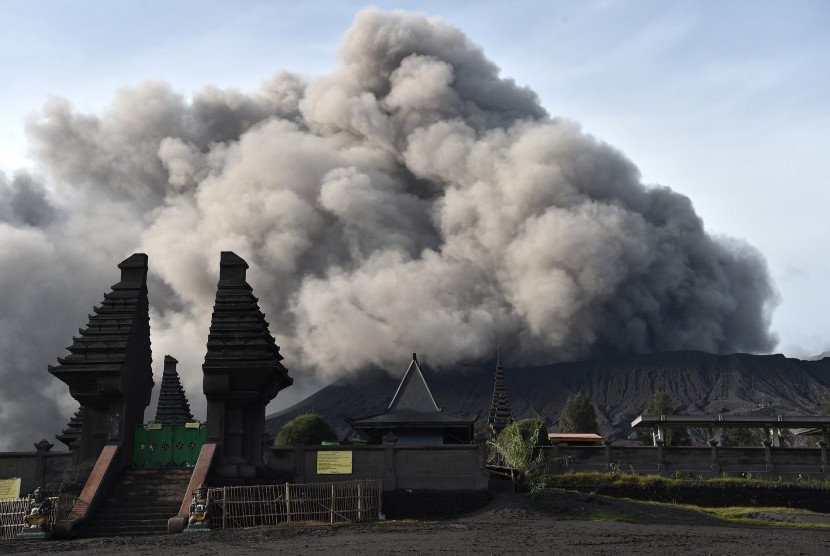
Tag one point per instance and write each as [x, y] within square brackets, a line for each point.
[568, 523]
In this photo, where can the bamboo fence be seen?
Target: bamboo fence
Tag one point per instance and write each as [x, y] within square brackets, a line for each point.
[13, 511]
[254, 506]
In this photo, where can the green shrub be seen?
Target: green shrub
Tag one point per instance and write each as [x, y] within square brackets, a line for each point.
[579, 416]
[309, 429]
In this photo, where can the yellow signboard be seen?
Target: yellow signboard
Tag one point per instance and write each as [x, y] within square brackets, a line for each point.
[154, 426]
[334, 463]
[192, 425]
[9, 489]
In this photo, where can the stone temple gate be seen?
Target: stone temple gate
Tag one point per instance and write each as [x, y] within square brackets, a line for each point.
[109, 373]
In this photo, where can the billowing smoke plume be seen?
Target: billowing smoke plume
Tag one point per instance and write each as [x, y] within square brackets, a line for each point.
[412, 201]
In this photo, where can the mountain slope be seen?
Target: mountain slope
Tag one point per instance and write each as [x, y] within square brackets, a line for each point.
[697, 382]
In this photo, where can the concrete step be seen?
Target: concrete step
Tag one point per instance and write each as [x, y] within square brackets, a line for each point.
[141, 503]
[126, 531]
[151, 513]
[170, 494]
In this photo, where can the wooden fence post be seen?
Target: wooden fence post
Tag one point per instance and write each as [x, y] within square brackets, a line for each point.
[332, 503]
[224, 507]
[360, 500]
[287, 503]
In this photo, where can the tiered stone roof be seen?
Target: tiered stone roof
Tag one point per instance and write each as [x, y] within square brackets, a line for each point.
[108, 369]
[242, 363]
[73, 429]
[173, 407]
[500, 413]
[112, 354]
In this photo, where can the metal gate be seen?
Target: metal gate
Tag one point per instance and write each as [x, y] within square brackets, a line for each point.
[158, 445]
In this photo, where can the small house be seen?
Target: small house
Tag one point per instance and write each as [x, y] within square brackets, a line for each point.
[413, 417]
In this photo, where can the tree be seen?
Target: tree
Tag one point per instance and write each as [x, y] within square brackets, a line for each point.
[308, 428]
[661, 404]
[578, 416]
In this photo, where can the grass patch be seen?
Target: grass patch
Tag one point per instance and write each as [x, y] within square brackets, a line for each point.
[745, 515]
[591, 478]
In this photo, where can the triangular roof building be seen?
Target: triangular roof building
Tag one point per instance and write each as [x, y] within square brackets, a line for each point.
[413, 417]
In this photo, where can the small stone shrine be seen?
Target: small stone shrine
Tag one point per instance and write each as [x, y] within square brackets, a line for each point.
[108, 370]
[173, 407]
[242, 372]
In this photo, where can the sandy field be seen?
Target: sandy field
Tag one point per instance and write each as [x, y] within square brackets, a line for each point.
[562, 523]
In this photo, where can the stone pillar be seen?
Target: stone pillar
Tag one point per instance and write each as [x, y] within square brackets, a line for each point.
[481, 450]
[256, 430]
[768, 456]
[661, 464]
[390, 474]
[715, 465]
[299, 463]
[42, 448]
[607, 443]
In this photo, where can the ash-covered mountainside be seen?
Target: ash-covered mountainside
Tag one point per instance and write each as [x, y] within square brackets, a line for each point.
[698, 382]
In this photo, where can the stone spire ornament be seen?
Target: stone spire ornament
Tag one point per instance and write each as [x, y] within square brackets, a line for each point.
[500, 413]
[173, 407]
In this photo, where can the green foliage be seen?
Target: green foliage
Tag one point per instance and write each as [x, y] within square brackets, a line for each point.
[824, 411]
[309, 429]
[661, 404]
[578, 416]
[596, 478]
[518, 444]
[530, 430]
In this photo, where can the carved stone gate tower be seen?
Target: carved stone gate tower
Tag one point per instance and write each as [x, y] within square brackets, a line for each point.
[242, 372]
[109, 370]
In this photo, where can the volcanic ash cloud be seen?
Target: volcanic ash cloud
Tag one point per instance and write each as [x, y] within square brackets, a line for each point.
[414, 200]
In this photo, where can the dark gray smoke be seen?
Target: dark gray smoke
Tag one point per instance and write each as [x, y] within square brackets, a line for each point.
[414, 200]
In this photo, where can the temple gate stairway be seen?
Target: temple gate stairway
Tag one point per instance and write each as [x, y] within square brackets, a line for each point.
[141, 503]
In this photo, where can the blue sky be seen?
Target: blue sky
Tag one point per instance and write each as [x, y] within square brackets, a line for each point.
[725, 102]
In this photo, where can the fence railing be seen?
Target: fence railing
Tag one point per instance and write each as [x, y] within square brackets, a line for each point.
[252, 506]
[12, 513]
